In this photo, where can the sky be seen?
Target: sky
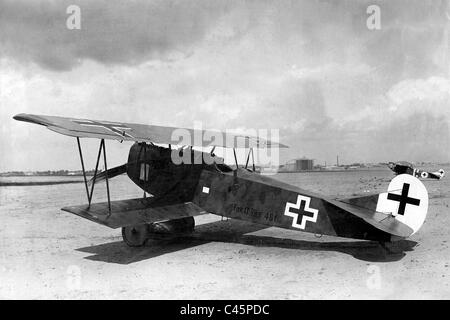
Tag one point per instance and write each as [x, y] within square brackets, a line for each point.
[311, 69]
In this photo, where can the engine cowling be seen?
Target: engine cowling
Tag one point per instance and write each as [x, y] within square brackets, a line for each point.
[152, 169]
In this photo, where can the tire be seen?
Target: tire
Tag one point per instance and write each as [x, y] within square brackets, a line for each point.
[135, 236]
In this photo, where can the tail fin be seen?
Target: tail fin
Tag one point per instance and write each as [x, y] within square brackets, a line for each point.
[405, 204]
[406, 200]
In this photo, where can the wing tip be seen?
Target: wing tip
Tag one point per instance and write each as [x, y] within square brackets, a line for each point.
[29, 118]
[20, 116]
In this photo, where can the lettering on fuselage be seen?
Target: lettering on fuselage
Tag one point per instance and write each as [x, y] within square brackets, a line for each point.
[255, 213]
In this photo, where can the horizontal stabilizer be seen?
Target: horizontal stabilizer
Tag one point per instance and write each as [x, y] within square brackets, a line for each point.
[377, 219]
[134, 212]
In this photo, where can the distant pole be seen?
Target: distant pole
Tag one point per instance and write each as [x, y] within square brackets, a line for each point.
[337, 160]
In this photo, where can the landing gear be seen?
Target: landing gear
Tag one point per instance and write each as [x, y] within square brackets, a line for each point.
[178, 226]
[136, 236]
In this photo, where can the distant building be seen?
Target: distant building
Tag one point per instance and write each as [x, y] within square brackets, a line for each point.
[301, 164]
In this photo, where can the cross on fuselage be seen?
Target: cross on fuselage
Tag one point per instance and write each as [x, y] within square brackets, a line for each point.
[301, 210]
[403, 199]
[114, 127]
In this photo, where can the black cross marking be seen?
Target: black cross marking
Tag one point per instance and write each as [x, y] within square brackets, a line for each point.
[301, 210]
[114, 127]
[403, 199]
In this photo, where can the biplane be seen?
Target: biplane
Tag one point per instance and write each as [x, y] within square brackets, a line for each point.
[404, 167]
[177, 192]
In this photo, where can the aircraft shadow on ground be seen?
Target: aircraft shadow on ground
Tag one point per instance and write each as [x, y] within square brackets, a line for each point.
[234, 231]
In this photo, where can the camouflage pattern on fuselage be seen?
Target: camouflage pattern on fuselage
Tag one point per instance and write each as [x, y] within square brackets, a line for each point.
[242, 194]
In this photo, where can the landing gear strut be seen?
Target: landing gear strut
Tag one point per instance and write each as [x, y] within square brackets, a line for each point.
[136, 236]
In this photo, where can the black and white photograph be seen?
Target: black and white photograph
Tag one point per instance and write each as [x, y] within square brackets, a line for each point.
[216, 150]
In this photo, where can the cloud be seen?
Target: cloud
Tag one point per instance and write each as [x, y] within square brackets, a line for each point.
[309, 68]
[431, 94]
[112, 32]
[314, 31]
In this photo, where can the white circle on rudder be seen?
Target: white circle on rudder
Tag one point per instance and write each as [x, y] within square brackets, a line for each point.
[414, 213]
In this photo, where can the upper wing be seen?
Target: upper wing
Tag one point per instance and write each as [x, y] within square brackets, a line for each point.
[84, 128]
[135, 211]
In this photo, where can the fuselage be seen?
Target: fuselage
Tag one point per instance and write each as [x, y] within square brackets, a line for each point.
[241, 194]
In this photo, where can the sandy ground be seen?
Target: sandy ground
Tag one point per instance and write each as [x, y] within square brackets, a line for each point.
[47, 253]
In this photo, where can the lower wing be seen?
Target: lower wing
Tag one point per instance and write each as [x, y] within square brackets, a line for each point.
[135, 211]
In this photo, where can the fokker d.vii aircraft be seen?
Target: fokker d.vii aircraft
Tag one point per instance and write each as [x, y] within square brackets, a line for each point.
[181, 191]
[402, 167]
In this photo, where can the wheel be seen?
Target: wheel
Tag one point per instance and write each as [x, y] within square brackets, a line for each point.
[177, 226]
[135, 236]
